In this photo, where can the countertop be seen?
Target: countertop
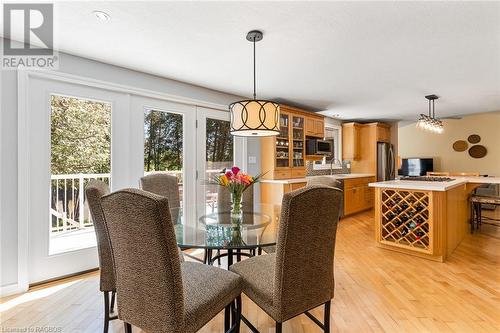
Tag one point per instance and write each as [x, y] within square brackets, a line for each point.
[435, 186]
[303, 180]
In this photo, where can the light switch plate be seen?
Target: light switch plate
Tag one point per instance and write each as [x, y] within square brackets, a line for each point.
[252, 159]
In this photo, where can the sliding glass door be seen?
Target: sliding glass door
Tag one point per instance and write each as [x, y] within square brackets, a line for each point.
[72, 134]
[217, 149]
[163, 140]
[75, 133]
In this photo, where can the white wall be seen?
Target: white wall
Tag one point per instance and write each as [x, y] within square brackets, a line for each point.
[8, 136]
[414, 142]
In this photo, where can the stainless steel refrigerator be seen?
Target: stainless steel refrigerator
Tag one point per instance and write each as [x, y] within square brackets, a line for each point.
[386, 163]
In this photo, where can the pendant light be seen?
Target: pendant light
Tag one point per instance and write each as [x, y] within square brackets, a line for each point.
[254, 117]
[429, 122]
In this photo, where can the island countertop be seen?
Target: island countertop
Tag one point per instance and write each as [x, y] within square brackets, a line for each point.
[435, 186]
[304, 179]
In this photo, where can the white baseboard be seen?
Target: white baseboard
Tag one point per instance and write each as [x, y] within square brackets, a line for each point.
[10, 289]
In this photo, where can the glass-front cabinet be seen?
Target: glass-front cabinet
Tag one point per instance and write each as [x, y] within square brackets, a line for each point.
[282, 143]
[298, 145]
[284, 156]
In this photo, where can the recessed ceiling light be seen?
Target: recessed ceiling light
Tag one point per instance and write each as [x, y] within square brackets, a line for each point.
[103, 16]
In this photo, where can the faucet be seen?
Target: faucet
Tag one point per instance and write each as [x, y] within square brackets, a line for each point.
[333, 161]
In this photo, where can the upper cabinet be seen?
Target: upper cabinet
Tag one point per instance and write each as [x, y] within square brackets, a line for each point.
[359, 144]
[383, 133]
[283, 156]
[351, 141]
[315, 126]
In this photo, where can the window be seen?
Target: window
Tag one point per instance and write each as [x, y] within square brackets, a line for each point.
[333, 133]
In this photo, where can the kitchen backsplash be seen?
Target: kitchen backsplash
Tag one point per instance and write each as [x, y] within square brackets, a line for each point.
[311, 172]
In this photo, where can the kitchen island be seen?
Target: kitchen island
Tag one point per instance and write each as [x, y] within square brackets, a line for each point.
[424, 218]
[357, 195]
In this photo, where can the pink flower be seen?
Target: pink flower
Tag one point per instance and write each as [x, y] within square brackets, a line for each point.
[229, 175]
[235, 170]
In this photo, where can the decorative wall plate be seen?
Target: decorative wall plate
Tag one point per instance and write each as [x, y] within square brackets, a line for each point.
[460, 145]
[478, 151]
[474, 138]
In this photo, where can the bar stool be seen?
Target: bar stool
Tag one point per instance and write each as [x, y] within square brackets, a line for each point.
[476, 210]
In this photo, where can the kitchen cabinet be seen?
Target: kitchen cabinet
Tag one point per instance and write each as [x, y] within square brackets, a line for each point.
[315, 127]
[383, 133]
[284, 155]
[358, 196]
[359, 144]
[351, 141]
[272, 192]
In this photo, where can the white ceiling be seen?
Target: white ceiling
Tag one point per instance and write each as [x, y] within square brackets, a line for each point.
[360, 60]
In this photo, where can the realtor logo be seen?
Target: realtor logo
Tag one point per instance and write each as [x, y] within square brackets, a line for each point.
[28, 36]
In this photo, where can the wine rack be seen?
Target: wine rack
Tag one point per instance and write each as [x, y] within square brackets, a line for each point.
[406, 219]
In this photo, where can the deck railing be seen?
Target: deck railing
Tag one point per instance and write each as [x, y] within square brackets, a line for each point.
[68, 205]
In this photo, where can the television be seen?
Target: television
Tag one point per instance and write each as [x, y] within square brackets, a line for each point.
[416, 166]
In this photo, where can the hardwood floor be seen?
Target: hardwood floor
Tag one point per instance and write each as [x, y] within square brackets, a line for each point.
[377, 290]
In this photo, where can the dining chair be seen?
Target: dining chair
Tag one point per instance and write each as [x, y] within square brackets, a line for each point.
[299, 276]
[324, 180]
[94, 191]
[155, 291]
[166, 185]
[328, 181]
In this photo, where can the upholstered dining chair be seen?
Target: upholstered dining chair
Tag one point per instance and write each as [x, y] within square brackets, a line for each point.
[157, 292]
[328, 181]
[324, 180]
[94, 191]
[165, 185]
[299, 276]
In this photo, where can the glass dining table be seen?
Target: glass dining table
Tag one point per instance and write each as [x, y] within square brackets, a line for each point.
[251, 231]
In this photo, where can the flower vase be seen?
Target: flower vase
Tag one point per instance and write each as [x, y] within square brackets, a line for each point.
[236, 212]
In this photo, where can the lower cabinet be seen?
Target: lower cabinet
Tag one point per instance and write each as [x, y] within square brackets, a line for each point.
[272, 192]
[358, 196]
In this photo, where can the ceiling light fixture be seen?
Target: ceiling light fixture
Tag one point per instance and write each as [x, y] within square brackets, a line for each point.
[103, 16]
[253, 117]
[429, 122]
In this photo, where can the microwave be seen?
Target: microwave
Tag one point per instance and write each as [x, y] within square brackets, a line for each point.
[318, 147]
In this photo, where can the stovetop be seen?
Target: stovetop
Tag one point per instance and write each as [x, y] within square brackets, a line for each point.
[428, 179]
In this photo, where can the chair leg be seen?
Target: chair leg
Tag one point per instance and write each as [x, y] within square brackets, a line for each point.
[227, 318]
[106, 311]
[278, 327]
[205, 257]
[209, 257]
[236, 315]
[259, 251]
[112, 306]
[218, 259]
[479, 213]
[327, 317]
[472, 218]
[128, 328]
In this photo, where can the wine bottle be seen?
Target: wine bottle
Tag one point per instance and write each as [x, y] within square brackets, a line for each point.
[419, 234]
[404, 232]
